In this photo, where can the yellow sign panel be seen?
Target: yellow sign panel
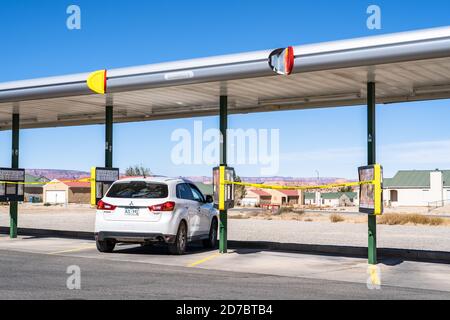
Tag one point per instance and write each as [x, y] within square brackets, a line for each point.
[93, 197]
[378, 181]
[221, 188]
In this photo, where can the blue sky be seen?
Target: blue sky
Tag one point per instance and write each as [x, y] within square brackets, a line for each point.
[36, 43]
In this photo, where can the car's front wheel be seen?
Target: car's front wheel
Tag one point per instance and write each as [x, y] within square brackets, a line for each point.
[211, 242]
[179, 246]
[106, 246]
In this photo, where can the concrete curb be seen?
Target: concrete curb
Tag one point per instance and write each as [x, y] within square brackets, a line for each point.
[342, 251]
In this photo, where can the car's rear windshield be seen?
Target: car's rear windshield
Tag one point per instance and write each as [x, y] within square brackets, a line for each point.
[138, 190]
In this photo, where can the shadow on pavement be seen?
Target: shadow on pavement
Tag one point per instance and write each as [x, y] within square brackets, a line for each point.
[46, 233]
[157, 249]
[388, 256]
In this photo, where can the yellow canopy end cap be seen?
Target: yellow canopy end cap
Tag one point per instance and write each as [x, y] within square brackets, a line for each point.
[96, 81]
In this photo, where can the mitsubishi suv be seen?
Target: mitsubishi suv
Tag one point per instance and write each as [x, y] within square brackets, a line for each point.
[155, 210]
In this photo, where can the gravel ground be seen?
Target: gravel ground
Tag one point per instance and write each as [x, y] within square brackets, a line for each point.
[81, 218]
[348, 234]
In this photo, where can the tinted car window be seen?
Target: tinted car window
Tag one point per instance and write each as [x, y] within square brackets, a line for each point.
[138, 190]
[184, 192]
[198, 196]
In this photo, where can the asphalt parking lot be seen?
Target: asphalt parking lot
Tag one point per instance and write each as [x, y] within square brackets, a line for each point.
[35, 268]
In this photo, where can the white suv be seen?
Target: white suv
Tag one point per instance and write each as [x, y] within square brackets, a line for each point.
[156, 209]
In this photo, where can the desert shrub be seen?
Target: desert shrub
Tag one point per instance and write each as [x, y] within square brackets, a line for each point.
[282, 210]
[239, 217]
[335, 218]
[416, 219]
[298, 211]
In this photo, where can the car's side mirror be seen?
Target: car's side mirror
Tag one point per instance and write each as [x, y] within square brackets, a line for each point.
[209, 199]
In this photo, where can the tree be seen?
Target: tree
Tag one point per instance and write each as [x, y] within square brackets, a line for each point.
[138, 171]
[239, 191]
[346, 189]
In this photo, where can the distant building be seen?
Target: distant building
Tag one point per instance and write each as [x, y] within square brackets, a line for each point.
[339, 199]
[285, 197]
[331, 199]
[256, 197]
[57, 192]
[33, 190]
[309, 199]
[417, 188]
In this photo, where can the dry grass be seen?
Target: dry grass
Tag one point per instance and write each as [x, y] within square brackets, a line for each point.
[283, 213]
[335, 218]
[284, 210]
[402, 219]
[291, 216]
[239, 217]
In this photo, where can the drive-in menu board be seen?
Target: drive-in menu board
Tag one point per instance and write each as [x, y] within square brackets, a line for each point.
[371, 194]
[103, 178]
[106, 175]
[12, 184]
[223, 194]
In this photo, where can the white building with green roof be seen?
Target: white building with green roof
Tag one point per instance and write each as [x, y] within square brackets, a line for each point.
[331, 199]
[417, 188]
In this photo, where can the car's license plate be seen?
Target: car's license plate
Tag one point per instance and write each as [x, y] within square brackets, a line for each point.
[132, 212]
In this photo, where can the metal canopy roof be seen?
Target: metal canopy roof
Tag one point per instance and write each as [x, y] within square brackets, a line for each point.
[406, 66]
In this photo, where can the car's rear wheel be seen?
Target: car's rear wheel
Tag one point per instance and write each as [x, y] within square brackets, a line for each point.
[179, 246]
[106, 246]
[211, 242]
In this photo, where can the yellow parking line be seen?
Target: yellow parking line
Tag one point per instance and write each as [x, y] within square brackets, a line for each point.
[85, 247]
[196, 263]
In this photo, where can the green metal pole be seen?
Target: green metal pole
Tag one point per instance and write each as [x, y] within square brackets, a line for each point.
[223, 162]
[371, 157]
[13, 205]
[109, 137]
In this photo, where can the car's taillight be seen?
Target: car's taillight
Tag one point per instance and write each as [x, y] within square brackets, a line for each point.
[101, 205]
[167, 206]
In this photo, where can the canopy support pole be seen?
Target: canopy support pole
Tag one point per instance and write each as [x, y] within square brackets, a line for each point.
[109, 136]
[371, 157]
[223, 247]
[13, 205]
